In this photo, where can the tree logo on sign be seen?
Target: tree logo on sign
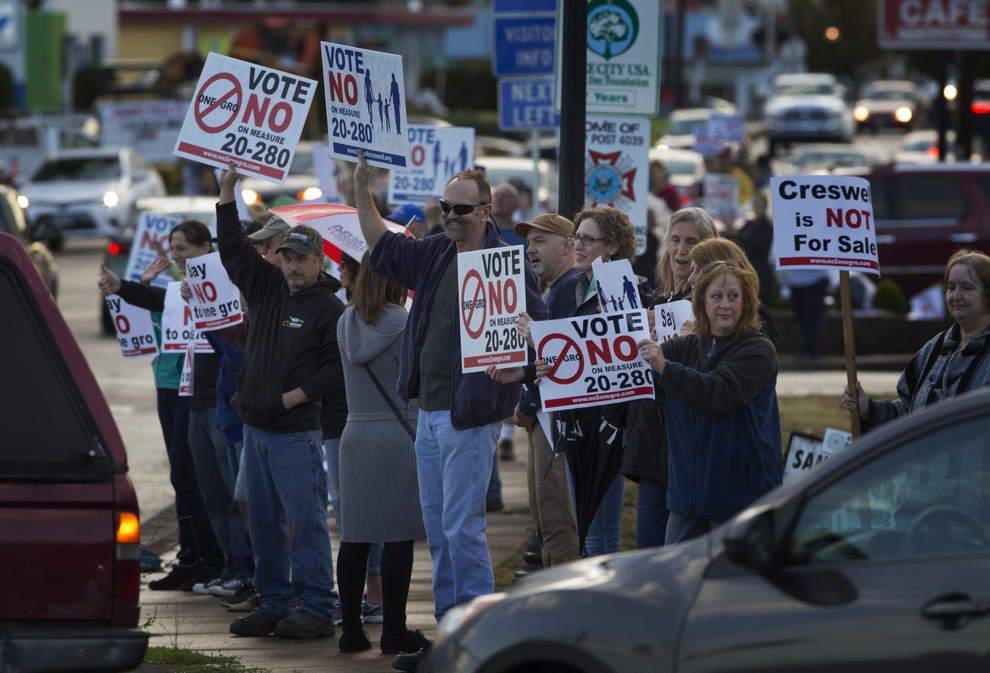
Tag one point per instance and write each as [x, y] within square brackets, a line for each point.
[613, 26]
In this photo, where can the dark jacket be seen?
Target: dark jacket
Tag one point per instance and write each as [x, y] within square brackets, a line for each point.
[206, 366]
[723, 424]
[561, 302]
[419, 265]
[231, 360]
[292, 339]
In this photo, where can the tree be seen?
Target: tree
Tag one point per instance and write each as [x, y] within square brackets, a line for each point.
[609, 27]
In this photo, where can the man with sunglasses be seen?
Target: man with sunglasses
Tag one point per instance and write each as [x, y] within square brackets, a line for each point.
[460, 414]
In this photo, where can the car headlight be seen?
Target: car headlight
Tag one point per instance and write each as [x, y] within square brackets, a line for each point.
[861, 113]
[111, 199]
[459, 616]
[310, 194]
[23, 201]
[903, 114]
[250, 196]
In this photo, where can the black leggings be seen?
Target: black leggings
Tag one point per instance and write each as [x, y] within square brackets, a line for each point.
[397, 563]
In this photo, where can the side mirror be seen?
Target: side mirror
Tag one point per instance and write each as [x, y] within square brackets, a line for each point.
[750, 541]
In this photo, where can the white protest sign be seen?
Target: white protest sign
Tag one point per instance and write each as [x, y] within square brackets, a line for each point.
[593, 360]
[824, 222]
[245, 114]
[216, 301]
[616, 283]
[492, 292]
[326, 174]
[835, 440]
[617, 168]
[718, 131]
[186, 378]
[366, 106]
[436, 154]
[150, 236]
[722, 196]
[670, 317]
[177, 324]
[805, 452]
[135, 331]
[149, 126]
[624, 48]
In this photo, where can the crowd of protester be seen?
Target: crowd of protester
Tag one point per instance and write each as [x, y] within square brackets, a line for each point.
[361, 407]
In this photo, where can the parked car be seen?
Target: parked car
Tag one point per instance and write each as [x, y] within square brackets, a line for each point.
[118, 249]
[686, 169]
[921, 147]
[891, 104]
[681, 129]
[875, 560]
[807, 107]
[542, 179]
[825, 158]
[26, 141]
[301, 185]
[89, 193]
[70, 530]
[13, 222]
[923, 214]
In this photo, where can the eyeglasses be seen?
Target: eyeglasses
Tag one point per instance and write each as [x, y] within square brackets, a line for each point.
[459, 208]
[586, 241]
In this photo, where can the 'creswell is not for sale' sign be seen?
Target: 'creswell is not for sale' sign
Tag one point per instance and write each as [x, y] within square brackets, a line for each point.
[246, 115]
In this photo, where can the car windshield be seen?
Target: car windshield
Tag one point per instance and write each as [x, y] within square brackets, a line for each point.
[924, 143]
[679, 167]
[82, 169]
[887, 94]
[681, 127]
[302, 163]
[806, 90]
[829, 160]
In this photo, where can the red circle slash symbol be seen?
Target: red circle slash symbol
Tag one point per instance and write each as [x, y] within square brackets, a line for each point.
[209, 99]
[468, 308]
[569, 345]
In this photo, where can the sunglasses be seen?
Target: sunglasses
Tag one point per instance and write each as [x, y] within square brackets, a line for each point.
[459, 208]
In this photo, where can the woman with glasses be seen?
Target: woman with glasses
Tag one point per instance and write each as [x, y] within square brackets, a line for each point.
[717, 388]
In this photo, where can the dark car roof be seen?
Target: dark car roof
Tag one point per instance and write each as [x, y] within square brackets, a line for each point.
[12, 254]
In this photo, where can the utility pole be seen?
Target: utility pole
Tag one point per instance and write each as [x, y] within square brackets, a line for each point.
[573, 104]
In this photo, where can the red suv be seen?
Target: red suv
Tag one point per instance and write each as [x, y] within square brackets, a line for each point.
[69, 525]
[924, 213]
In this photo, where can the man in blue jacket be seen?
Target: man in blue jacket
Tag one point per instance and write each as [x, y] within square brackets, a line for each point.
[460, 414]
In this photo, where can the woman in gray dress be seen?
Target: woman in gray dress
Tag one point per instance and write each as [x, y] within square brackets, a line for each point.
[379, 495]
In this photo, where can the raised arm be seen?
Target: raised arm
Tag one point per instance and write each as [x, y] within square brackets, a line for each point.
[244, 266]
[372, 225]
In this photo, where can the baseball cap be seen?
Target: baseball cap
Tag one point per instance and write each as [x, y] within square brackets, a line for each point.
[303, 240]
[549, 222]
[274, 225]
[407, 213]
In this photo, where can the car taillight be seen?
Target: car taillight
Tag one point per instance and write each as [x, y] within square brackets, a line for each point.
[932, 151]
[980, 107]
[127, 567]
[114, 248]
[128, 528]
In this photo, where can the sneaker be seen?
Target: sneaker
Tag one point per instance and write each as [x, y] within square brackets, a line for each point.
[259, 623]
[248, 604]
[404, 643]
[372, 613]
[505, 451]
[409, 662]
[150, 561]
[203, 588]
[302, 623]
[226, 589]
[176, 579]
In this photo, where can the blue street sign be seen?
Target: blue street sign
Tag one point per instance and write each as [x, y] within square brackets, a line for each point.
[526, 103]
[524, 6]
[523, 37]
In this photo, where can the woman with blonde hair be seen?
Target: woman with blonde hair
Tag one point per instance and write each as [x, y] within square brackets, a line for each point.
[687, 228]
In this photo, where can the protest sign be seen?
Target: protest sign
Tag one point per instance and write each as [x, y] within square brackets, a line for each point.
[617, 168]
[326, 174]
[436, 154]
[616, 283]
[824, 221]
[670, 317]
[186, 377]
[149, 126]
[491, 294]
[245, 114]
[593, 360]
[366, 106]
[718, 131]
[804, 452]
[135, 331]
[722, 196]
[150, 241]
[216, 301]
[177, 324]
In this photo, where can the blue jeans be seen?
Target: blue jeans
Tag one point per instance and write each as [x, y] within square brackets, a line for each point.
[197, 543]
[209, 451]
[683, 528]
[651, 514]
[603, 534]
[287, 487]
[454, 469]
[331, 447]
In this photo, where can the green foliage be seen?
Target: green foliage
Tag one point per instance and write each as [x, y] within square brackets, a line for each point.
[890, 297]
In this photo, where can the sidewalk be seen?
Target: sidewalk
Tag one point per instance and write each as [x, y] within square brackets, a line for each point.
[187, 621]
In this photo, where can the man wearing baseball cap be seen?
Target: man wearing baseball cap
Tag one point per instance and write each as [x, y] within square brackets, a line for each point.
[271, 236]
[290, 363]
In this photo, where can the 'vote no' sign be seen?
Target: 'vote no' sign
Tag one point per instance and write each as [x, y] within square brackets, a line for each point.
[135, 332]
[492, 292]
[216, 301]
